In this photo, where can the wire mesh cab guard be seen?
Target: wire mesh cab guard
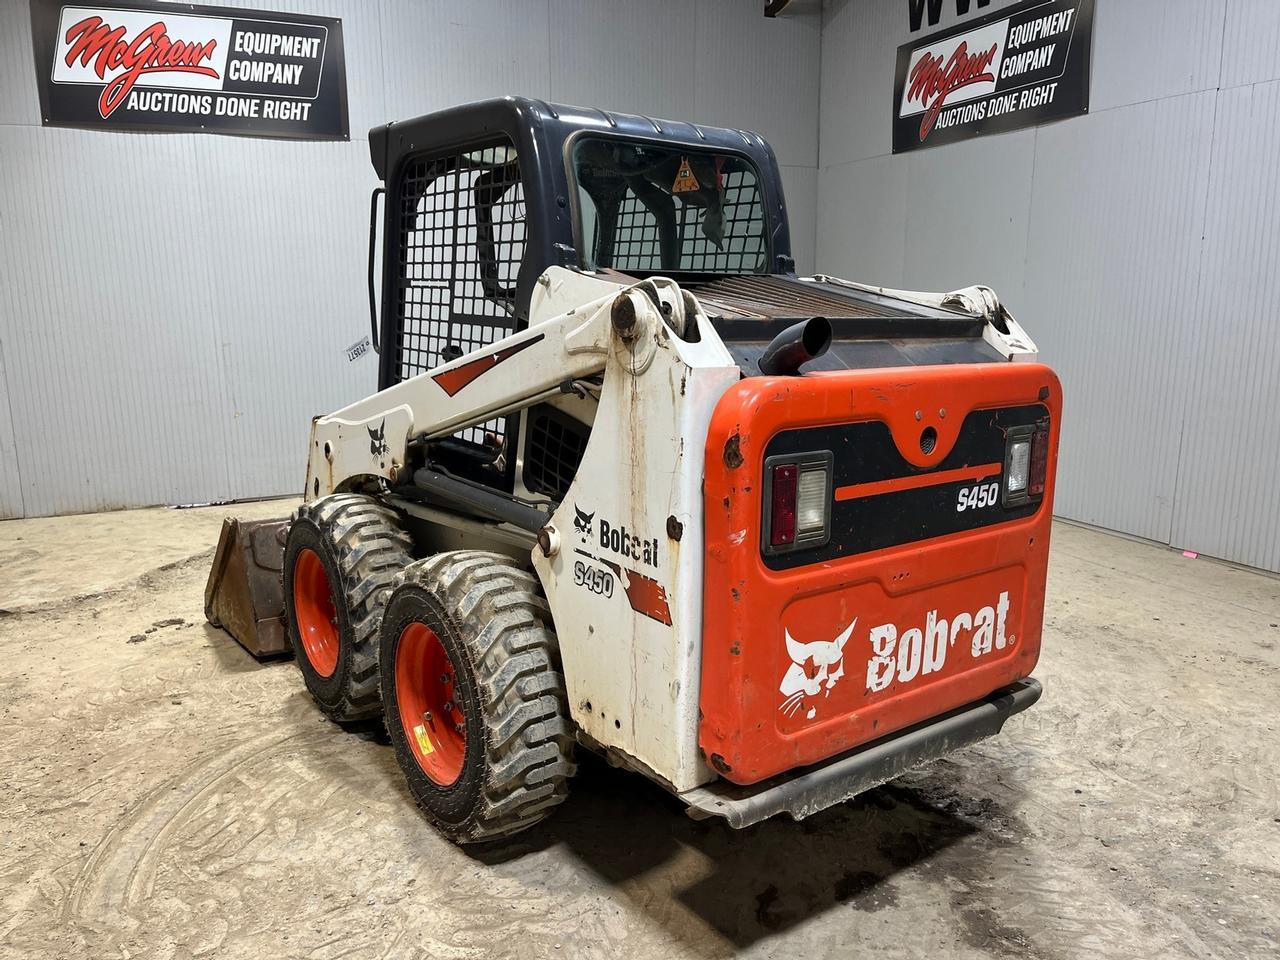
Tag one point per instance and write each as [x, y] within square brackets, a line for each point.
[466, 151]
[479, 202]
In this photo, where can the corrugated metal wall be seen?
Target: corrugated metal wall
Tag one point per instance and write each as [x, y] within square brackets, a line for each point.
[175, 308]
[1139, 245]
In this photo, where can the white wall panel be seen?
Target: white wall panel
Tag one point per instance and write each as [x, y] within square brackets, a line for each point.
[1111, 278]
[440, 53]
[115, 380]
[1228, 501]
[10, 478]
[859, 49]
[759, 74]
[1148, 49]
[286, 299]
[643, 64]
[947, 248]
[862, 222]
[1250, 42]
[20, 102]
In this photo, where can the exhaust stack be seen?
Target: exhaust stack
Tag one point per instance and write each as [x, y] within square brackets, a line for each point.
[796, 346]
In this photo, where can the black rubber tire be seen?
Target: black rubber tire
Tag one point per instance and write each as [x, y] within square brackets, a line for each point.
[363, 548]
[494, 624]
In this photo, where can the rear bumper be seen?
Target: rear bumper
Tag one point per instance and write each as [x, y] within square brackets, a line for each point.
[805, 792]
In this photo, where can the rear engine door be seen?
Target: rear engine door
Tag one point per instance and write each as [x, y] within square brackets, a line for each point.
[877, 544]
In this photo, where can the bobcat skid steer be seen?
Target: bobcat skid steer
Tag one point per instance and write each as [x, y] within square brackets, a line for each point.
[630, 485]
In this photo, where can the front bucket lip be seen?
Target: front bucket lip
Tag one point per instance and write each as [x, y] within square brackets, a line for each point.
[244, 594]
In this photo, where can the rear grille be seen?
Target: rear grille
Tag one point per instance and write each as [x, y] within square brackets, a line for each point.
[773, 296]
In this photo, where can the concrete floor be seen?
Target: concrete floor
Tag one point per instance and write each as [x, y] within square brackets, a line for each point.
[163, 795]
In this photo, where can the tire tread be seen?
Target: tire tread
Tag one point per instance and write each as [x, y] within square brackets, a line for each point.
[505, 624]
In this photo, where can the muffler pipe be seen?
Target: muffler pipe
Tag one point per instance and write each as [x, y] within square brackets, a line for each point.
[795, 346]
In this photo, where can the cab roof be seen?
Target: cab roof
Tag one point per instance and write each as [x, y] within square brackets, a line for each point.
[540, 132]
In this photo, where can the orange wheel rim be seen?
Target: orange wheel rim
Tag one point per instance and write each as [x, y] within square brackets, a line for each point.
[316, 613]
[426, 695]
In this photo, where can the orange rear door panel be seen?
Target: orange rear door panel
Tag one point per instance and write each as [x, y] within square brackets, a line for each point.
[916, 606]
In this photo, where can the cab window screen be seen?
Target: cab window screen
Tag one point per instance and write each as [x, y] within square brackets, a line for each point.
[647, 208]
[462, 237]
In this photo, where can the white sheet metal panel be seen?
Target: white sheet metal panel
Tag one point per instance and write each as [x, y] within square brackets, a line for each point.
[1112, 269]
[440, 53]
[949, 247]
[1228, 500]
[10, 480]
[697, 62]
[1148, 49]
[287, 298]
[862, 222]
[800, 188]
[641, 61]
[1250, 41]
[115, 381]
[21, 100]
[859, 49]
[758, 73]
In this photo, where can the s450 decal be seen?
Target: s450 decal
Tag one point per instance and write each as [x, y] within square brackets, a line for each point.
[978, 497]
[594, 579]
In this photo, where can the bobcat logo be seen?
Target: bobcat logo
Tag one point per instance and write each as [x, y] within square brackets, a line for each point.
[815, 667]
[378, 439]
[582, 522]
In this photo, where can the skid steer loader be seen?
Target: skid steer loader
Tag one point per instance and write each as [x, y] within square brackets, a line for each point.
[630, 485]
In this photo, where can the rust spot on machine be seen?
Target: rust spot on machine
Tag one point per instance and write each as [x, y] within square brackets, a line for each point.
[733, 452]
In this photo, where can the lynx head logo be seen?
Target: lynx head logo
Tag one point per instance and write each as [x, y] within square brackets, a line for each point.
[378, 439]
[582, 522]
[815, 668]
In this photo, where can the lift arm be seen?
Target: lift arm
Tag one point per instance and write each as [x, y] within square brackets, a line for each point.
[368, 439]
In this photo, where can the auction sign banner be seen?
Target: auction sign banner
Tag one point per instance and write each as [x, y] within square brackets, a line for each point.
[1025, 65]
[159, 66]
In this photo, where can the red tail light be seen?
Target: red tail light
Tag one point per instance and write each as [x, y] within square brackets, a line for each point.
[1039, 460]
[782, 511]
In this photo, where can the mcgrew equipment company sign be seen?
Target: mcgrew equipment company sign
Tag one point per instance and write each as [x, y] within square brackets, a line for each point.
[1025, 65]
[158, 66]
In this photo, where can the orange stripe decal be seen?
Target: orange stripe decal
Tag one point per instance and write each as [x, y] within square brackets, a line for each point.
[451, 381]
[856, 491]
[646, 595]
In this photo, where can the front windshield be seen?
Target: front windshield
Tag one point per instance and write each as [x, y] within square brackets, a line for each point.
[646, 208]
